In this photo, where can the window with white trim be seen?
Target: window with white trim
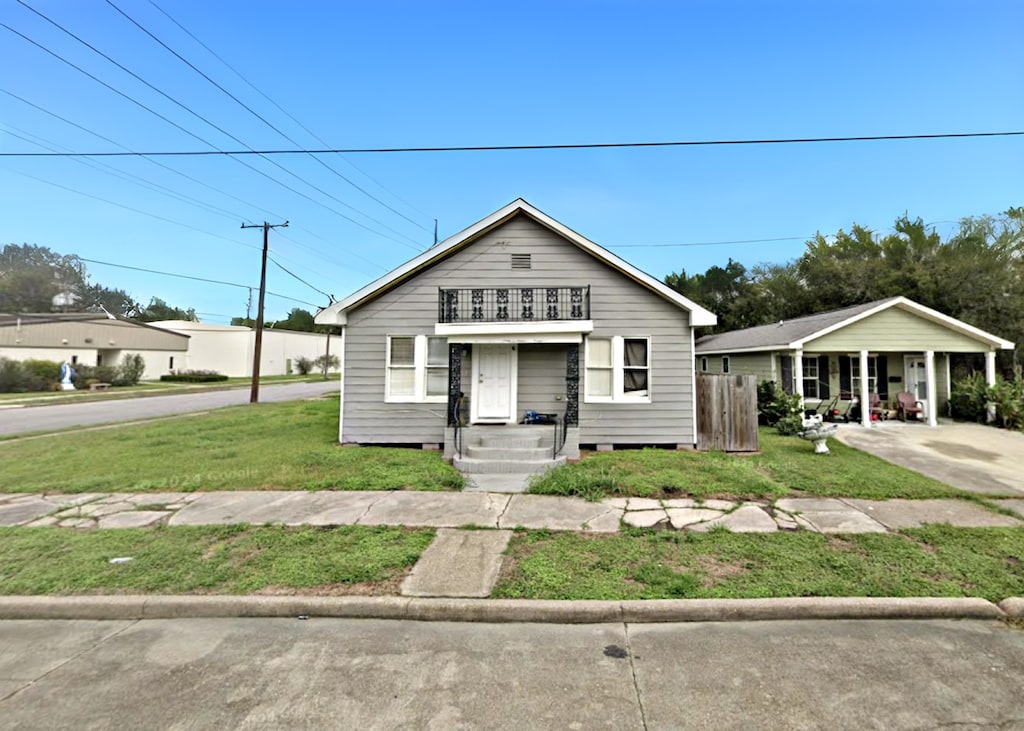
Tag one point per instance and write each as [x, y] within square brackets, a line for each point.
[810, 368]
[417, 369]
[703, 365]
[618, 369]
[855, 374]
[725, 364]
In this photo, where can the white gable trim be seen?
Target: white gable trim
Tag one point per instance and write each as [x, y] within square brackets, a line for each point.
[926, 312]
[336, 314]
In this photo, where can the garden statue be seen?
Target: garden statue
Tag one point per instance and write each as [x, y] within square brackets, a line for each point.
[67, 375]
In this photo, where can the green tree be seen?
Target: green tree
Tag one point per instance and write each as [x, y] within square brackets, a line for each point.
[31, 277]
[157, 310]
[298, 319]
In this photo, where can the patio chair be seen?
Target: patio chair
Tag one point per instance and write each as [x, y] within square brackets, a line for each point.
[907, 405]
[875, 409]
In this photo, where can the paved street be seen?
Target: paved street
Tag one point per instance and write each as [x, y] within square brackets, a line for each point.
[378, 674]
[65, 416]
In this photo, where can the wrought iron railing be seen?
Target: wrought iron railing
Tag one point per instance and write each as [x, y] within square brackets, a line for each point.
[456, 420]
[513, 304]
[561, 430]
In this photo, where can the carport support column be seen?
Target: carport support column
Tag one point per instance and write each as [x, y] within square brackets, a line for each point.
[865, 391]
[930, 390]
[990, 379]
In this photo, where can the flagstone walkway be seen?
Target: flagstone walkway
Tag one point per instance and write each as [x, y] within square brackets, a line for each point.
[491, 510]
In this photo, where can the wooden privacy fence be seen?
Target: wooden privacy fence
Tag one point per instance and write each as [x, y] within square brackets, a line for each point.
[726, 413]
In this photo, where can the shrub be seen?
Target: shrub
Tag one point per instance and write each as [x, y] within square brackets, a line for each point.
[330, 361]
[45, 370]
[775, 407]
[303, 365]
[130, 370]
[971, 397]
[193, 376]
[12, 376]
[86, 375]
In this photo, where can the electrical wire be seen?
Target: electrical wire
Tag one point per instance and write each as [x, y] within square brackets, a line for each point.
[502, 148]
[198, 116]
[296, 276]
[264, 120]
[291, 117]
[195, 279]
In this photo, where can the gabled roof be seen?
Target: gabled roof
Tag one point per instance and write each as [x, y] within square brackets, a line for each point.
[792, 334]
[336, 314]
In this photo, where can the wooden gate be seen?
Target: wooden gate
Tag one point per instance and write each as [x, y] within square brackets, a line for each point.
[726, 413]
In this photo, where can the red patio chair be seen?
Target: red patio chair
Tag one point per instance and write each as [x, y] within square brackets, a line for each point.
[875, 409]
[907, 405]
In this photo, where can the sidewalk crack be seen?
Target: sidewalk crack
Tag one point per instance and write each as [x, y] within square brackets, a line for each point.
[359, 520]
[508, 502]
[636, 684]
[30, 683]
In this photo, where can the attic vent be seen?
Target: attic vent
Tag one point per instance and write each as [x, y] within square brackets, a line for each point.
[521, 261]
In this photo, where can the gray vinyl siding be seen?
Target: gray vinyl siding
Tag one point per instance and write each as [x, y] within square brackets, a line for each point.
[542, 378]
[619, 306]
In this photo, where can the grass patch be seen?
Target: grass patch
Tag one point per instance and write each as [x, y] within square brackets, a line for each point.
[931, 561]
[261, 446]
[209, 560]
[786, 466]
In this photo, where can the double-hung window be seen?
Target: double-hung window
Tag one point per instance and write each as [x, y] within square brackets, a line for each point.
[872, 375]
[810, 377]
[618, 369]
[417, 369]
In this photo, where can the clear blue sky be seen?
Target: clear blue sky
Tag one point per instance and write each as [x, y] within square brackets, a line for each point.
[387, 74]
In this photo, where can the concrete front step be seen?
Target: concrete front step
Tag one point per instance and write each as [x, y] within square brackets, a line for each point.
[502, 441]
[509, 454]
[469, 465]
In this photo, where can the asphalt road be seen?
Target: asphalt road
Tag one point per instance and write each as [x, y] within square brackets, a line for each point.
[379, 674]
[65, 416]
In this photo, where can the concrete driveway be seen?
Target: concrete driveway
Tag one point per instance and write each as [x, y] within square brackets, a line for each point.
[972, 457]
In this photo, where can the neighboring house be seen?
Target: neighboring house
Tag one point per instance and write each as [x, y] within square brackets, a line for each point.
[899, 344]
[91, 339]
[516, 313]
[228, 349]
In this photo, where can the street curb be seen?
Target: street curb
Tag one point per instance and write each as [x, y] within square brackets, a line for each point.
[504, 610]
[1013, 607]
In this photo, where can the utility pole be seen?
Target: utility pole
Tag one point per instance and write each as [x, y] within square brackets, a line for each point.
[254, 393]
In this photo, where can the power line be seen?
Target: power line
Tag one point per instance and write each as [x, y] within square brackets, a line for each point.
[195, 279]
[134, 210]
[710, 243]
[502, 148]
[263, 119]
[300, 124]
[195, 114]
[296, 276]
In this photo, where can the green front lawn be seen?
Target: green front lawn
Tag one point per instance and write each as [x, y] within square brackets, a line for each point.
[263, 446]
[932, 561]
[785, 466]
[230, 559]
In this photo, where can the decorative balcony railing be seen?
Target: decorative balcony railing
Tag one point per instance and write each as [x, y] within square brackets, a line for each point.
[513, 304]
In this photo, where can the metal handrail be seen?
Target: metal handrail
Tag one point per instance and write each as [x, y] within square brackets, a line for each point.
[456, 421]
[561, 432]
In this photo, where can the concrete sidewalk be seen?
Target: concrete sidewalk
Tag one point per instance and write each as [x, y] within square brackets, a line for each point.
[491, 510]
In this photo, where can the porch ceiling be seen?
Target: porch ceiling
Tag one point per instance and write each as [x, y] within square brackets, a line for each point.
[571, 331]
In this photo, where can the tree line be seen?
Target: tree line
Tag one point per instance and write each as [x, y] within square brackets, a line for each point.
[976, 274]
[35, 279]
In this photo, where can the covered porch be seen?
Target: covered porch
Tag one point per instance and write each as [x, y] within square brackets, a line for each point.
[823, 378]
[514, 352]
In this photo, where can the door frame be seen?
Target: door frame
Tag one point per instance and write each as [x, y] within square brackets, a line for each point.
[923, 397]
[513, 385]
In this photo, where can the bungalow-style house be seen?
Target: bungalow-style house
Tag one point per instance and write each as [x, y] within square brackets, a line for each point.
[901, 345]
[517, 313]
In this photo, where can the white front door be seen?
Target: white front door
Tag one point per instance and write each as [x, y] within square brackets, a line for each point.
[916, 380]
[493, 398]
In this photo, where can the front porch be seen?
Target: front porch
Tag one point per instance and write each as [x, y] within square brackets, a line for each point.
[833, 380]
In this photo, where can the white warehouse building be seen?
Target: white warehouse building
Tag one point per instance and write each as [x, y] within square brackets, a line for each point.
[228, 349]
